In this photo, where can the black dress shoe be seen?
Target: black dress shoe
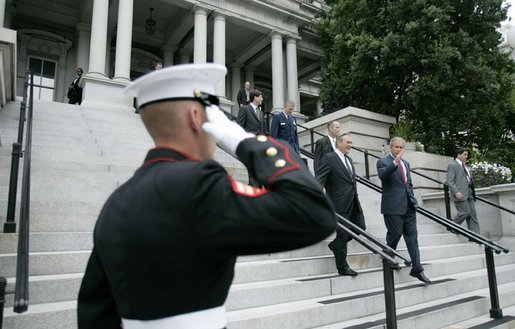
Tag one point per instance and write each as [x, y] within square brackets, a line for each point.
[421, 277]
[347, 271]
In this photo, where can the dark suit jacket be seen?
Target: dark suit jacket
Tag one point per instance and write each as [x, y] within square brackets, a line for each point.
[285, 129]
[322, 146]
[242, 97]
[396, 194]
[340, 185]
[249, 121]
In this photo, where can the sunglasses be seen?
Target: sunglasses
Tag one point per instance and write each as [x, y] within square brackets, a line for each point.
[205, 98]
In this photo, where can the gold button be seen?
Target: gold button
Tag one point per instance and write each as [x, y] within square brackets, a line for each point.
[280, 163]
[261, 138]
[271, 152]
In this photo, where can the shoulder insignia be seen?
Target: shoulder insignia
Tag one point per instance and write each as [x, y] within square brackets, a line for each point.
[247, 190]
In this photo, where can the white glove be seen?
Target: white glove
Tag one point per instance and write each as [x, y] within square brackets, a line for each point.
[227, 133]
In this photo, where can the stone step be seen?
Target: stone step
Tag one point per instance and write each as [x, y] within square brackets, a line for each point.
[54, 288]
[439, 313]
[60, 315]
[410, 297]
[484, 321]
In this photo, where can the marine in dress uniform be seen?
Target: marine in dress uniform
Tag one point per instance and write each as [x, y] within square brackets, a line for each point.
[166, 241]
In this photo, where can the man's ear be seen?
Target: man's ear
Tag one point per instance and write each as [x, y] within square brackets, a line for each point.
[195, 118]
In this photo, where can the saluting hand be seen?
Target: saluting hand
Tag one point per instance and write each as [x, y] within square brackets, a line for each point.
[227, 133]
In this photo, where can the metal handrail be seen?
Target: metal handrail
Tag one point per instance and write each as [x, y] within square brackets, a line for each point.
[10, 224]
[490, 248]
[21, 293]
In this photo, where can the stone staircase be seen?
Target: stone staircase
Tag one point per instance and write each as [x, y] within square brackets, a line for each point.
[80, 155]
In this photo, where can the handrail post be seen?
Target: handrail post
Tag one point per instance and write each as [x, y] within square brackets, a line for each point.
[367, 166]
[447, 201]
[495, 311]
[3, 284]
[10, 224]
[312, 136]
[389, 295]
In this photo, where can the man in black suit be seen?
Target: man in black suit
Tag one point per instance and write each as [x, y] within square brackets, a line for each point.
[284, 126]
[338, 175]
[166, 241]
[74, 90]
[326, 144]
[250, 116]
[398, 204]
[243, 97]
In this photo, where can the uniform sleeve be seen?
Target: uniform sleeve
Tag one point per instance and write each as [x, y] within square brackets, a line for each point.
[96, 308]
[291, 211]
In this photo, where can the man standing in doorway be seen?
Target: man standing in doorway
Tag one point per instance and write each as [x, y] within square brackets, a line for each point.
[244, 95]
[74, 90]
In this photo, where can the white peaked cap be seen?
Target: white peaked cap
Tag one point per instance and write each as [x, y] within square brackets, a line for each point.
[176, 82]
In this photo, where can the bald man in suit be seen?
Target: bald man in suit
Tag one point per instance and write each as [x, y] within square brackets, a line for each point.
[337, 174]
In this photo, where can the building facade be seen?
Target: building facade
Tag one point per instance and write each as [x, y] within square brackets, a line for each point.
[272, 44]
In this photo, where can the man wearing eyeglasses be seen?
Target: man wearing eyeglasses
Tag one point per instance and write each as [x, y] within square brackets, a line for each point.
[166, 241]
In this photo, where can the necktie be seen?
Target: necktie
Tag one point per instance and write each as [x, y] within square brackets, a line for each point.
[466, 172]
[348, 165]
[403, 172]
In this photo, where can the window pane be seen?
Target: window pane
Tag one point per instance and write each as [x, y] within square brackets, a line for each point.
[48, 69]
[46, 94]
[35, 65]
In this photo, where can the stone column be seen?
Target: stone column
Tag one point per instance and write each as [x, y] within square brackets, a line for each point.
[168, 53]
[97, 56]
[122, 69]
[2, 12]
[219, 48]
[9, 13]
[236, 85]
[277, 72]
[84, 39]
[292, 73]
[249, 75]
[200, 36]
[184, 58]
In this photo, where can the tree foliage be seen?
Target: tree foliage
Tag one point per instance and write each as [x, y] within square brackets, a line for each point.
[433, 63]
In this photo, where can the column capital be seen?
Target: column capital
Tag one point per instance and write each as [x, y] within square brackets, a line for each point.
[198, 10]
[275, 35]
[218, 16]
[236, 65]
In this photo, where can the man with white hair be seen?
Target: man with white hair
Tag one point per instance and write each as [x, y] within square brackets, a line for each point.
[166, 241]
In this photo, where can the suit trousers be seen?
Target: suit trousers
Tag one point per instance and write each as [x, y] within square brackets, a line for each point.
[339, 244]
[406, 226]
[467, 211]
